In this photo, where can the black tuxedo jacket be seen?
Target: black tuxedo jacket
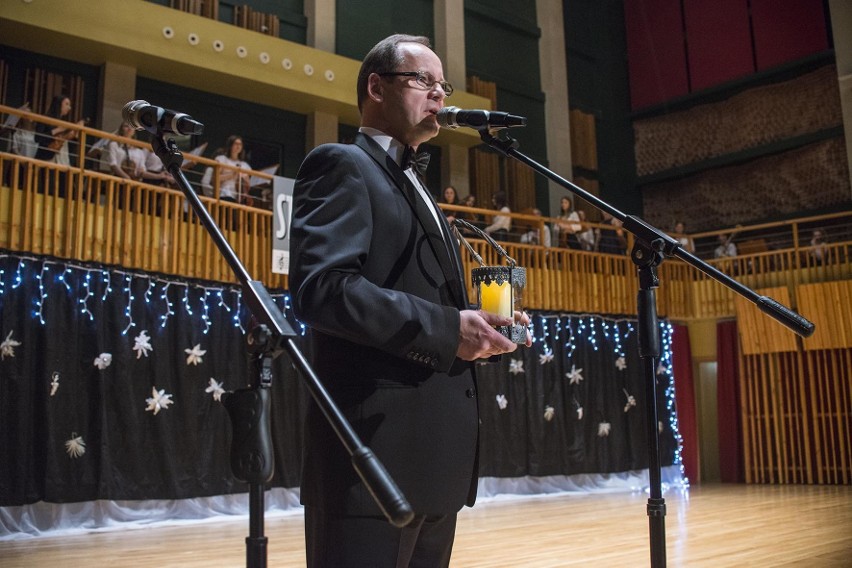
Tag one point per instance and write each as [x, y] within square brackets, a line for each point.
[379, 284]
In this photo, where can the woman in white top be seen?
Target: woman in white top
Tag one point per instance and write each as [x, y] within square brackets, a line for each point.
[233, 185]
[500, 224]
[568, 225]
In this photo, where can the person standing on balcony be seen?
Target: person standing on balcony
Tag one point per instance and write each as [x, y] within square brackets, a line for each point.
[233, 185]
[567, 225]
[53, 142]
[375, 274]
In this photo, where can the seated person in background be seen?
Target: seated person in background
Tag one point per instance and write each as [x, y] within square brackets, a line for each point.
[500, 224]
[611, 241]
[680, 234]
[726, 248]
[567, 225]
[533, 235]
[450, 197]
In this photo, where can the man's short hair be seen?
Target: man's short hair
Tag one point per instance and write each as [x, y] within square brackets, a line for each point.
[385, 58]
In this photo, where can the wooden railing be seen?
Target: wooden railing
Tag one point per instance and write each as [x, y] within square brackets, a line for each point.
[98, 217]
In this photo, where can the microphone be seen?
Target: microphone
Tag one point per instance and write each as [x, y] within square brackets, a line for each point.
[156, 120]
[453, 117]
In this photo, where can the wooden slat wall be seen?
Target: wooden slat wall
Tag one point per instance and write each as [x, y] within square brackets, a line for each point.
[584, 143]
[796, 401]
[247, 17]
[205, 8]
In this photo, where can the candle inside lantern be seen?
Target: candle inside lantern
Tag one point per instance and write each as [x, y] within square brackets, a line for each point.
[496, 298]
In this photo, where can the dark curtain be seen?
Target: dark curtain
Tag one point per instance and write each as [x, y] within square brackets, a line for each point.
[728, 401]
[72, 431]
[687, 417]
[51, 392]
[536, 421]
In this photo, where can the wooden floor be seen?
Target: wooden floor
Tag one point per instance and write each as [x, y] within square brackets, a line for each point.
[730, 525]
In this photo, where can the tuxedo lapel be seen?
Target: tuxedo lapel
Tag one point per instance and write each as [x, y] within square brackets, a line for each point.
[441, 245]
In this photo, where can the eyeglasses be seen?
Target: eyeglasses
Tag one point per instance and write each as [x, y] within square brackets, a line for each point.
[423, 78]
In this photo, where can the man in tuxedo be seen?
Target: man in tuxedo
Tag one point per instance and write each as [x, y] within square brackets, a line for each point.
[375, 275]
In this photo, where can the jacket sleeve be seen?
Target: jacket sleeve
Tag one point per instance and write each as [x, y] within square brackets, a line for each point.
[332, 238]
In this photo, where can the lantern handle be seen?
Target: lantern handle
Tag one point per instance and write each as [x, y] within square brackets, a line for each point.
[479, 232]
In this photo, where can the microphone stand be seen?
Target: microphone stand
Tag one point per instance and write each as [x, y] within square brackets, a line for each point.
[651, 247]
[251, 456]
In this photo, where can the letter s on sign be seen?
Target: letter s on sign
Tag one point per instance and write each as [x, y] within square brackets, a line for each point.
[282, 210]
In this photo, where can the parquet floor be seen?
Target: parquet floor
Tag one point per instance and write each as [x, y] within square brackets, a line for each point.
[715, 525]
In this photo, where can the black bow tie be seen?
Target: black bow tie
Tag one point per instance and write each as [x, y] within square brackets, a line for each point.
[417, 160]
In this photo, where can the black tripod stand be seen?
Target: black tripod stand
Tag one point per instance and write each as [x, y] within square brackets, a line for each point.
[251, 457]
[651, 248]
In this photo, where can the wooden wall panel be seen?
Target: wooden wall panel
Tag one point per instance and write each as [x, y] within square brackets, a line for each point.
[760, 333]
[829, 306]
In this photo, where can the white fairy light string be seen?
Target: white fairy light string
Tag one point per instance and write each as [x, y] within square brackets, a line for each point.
[96, 282]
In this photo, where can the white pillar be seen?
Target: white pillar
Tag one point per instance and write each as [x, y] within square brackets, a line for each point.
[449, 45]
[117, 88]
[322, 24]
[321, 128]
[554, 84]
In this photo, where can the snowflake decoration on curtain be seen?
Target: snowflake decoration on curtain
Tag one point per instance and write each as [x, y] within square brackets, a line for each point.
[54, 383]
[516, 366]
[7, 348]
[160, 400]
[662, 369]
[215, 388]
[579, 413]
[603, 429]
[575, 375]
[631, 401]
[76, 446]
[621, 363]
[545, 357]
[194, 355]
[142, 344]
[549, 413]
[501, 401]
[103, 361]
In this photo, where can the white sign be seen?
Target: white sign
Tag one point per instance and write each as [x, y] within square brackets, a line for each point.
[282, 213]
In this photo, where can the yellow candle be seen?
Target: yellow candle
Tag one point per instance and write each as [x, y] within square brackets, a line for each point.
[497, 298]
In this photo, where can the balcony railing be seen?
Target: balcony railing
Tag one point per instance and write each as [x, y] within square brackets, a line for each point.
[77, 212]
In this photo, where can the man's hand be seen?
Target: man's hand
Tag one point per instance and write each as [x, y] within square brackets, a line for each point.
[479, 340]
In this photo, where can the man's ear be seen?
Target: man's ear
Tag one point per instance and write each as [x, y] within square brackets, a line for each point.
[375, 87]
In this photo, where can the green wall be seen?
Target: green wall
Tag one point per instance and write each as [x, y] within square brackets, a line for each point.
[596, 52]
[275, 135]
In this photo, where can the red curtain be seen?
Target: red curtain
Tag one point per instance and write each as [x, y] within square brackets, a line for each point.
[728, 401]
[687, 418]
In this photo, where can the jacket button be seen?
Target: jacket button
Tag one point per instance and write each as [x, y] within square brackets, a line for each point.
[470, 393]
